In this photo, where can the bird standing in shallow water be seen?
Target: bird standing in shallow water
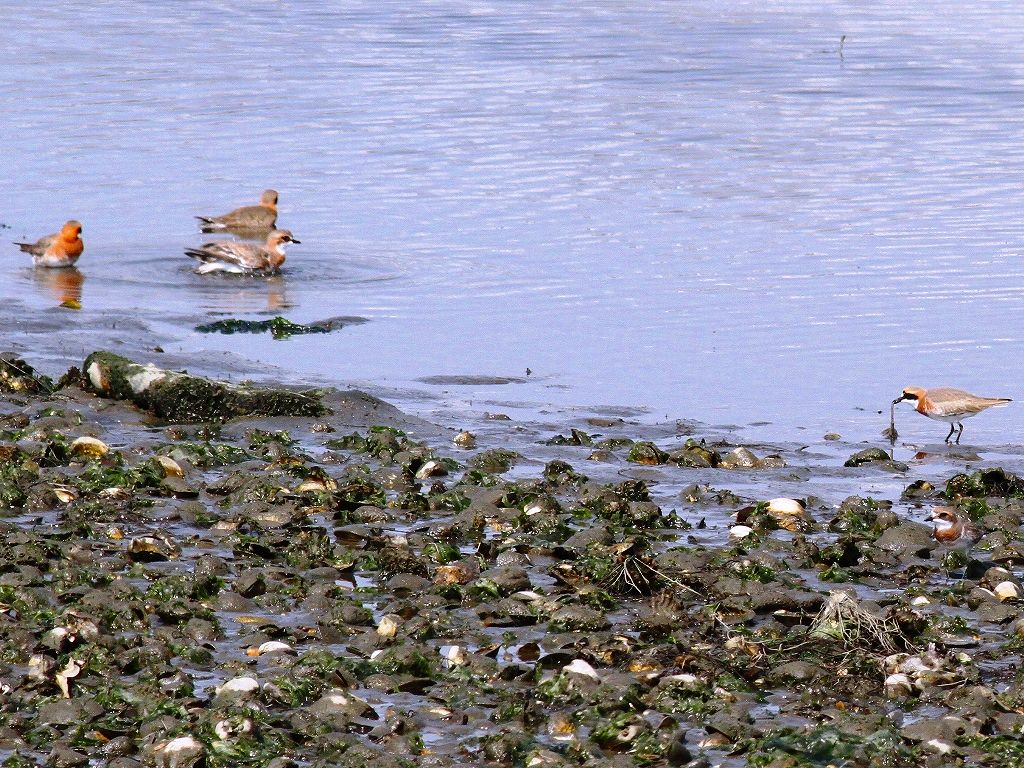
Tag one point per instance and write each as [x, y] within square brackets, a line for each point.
[243, 258]
[58, 250]
[246, 218]
[949, 405]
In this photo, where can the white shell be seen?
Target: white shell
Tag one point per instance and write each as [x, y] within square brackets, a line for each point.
[170, 467]
[581, 667]
[784, 506]
[89, 446]
[238, 689]
[740, 531]
[388, 626]
[1007, 590]
[275, 646]
[184, 750]
[898, 686]
[456, 655]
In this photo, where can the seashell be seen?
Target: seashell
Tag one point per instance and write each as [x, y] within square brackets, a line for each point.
[233, 727]
[149, 549]
[388, 625]
[65, 495]
[628, 734]
[311, 486]
[582, 668]
[919, 601]
[465, 440]
[89, 447]
[40, 667]
[1007, 590]
[714, 740]
[739, 532]
[784, 506]
[114, 493]
[237, 690]
[55, 638]
[686, 681]
[274, 646]
[182, 752]
[115, 533]
[938, 746]
[898, 686]
[170, 467]
[456, 656]
[63, 678]
[432, 468]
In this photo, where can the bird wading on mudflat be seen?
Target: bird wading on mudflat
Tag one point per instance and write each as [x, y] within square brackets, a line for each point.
[949, 405]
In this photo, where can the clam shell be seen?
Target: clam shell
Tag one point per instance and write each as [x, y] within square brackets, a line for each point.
[89, 447]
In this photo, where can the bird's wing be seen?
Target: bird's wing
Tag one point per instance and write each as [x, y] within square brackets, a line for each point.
[38, 248]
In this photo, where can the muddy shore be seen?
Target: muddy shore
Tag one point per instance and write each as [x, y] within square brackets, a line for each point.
[365, 587]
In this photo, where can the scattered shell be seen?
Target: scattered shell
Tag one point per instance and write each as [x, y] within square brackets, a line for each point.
[432, 468]
[274, 646]
[65, 495]
[233, 727]
[63, 678]
[388, 626]
[898, 686]
[115, 492]
[148, 549]
[456, 656]
[237, 690]
[181, 752]
[1007, 590]
[581, 667]
[315, 485]
[784, 506]
[170, 467]
[740, 531]
[465, 440]
[89, 447]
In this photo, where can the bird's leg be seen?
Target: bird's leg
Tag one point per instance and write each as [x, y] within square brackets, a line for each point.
[961, 425]
[952, 428]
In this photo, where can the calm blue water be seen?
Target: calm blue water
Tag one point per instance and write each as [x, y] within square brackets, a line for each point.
[703, 209]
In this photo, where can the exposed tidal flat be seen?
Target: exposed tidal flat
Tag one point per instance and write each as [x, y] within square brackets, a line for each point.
[355, 585]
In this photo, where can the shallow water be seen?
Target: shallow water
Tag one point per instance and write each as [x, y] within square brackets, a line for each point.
[702, 210]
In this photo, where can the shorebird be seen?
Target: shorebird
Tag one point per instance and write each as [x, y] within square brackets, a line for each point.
[61, 249]
[243, 258]
[248, 217]
[953, 529]
[949, 405]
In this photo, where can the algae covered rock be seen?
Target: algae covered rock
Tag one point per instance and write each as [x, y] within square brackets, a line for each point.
[184, 398]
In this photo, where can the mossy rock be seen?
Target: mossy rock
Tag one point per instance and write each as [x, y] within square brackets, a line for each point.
[180, 397]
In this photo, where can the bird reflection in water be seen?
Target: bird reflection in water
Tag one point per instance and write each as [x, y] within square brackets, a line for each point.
[64, 285]
[248, 294]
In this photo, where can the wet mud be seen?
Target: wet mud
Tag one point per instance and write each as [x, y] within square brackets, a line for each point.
[365, 587]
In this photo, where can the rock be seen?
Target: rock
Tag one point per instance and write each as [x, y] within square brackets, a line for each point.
[182, 398]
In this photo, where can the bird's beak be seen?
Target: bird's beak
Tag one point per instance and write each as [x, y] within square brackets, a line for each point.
[296, 241]
[899, 399]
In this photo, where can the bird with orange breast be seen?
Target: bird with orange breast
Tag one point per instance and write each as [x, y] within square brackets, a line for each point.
[954, 529]
[949, 405]
[248, 218]
[61, 249]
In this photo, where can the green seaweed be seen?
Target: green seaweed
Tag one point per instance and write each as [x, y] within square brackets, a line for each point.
[279, 327]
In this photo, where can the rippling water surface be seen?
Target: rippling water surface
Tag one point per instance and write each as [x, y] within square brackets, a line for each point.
[709, 210]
